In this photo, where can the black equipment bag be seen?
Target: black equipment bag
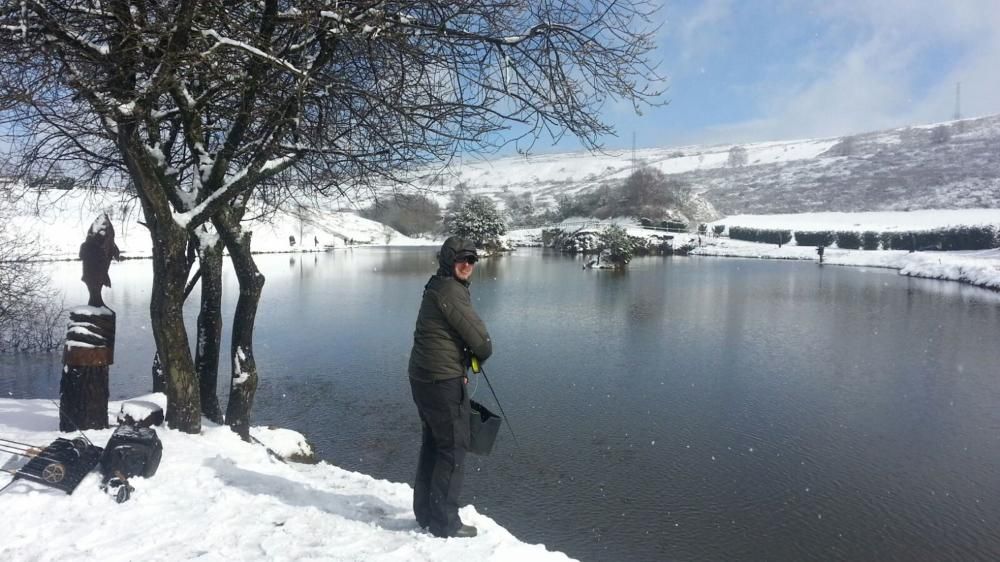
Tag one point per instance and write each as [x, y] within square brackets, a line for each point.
[131, 451]
[483, 428]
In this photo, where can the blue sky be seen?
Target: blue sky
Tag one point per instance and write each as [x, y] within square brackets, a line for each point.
[741, 71]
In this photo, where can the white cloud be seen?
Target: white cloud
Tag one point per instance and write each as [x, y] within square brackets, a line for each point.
[881, 78]
[699, 32]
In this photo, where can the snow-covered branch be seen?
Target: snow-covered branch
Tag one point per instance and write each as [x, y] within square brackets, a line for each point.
[226, 42]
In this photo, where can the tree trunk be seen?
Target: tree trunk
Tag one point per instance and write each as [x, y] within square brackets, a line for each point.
[206, 359]
[170, 271]
[166, 308]
[251, 281]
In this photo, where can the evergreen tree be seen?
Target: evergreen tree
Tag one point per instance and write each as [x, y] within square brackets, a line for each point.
[616, 245]
[478, 220]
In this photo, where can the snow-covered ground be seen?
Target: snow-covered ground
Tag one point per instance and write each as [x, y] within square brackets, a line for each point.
[980, 268]
[59, 221]
[215, 497]
[886, 221]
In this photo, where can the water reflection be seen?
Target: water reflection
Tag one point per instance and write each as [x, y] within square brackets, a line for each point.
[686, 409]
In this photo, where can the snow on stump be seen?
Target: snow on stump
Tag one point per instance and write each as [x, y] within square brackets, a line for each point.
[87, 355]
[140, 413]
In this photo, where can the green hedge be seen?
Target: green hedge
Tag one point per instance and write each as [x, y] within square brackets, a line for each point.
[869, 240]
[948, 239]
[815, 238]
[849, 240]
[763, 235]
[674, 225]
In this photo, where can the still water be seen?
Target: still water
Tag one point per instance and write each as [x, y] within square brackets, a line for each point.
[689, 409]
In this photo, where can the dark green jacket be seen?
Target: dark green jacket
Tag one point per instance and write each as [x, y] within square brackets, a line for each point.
[448, 330]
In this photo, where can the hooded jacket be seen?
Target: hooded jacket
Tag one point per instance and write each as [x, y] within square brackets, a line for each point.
[448, 330]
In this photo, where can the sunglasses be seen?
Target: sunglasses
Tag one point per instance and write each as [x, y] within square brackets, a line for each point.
[467, 259]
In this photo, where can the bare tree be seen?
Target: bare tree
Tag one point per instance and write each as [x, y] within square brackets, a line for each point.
[738, 157]
[203, 106]
[649, 191]
[29, 309]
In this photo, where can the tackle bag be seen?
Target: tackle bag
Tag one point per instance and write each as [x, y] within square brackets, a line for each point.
[131, 451]
[483, 428]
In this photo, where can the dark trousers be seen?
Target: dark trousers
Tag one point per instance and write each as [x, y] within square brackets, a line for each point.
[444, 416]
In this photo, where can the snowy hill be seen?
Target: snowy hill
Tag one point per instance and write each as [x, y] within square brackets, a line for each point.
[951, 165]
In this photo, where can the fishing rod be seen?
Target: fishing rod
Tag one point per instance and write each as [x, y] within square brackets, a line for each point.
[71, 422]
[23, 450]
[504, 414]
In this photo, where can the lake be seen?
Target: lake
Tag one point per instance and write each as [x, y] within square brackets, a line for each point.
[687, 409]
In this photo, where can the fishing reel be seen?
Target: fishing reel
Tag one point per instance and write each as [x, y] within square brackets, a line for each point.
[118, 488]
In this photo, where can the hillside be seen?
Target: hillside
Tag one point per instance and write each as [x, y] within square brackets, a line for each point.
[951, 165]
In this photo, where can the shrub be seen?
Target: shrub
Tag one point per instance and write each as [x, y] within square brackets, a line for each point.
[970, 238]
[849, 240]
[719, 229]
[894, 241]
[410, 214]
[737, 157]
[763, 235]
[617, 244]
[815, 238]
[940, 134]
[869, 240]
[777, 236]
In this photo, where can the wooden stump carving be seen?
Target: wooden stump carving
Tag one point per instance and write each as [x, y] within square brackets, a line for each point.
[90, 338]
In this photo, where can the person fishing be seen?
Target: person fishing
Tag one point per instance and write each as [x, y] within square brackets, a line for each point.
[448, 335]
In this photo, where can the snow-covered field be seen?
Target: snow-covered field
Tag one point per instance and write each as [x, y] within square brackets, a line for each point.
[59, 221]
[886, 221]
[980, 268]
[215, 497]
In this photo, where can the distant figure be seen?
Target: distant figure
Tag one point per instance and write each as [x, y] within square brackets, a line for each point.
[819, 250]
[291, 241]
[315, 242]
[96, 252]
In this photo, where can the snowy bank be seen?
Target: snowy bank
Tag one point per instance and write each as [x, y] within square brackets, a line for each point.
[980, 268]
[218, 498]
